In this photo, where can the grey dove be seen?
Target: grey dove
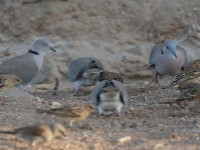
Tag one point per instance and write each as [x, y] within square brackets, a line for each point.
[84, 71]
[28, 65]
[109, 95]
[166, 59]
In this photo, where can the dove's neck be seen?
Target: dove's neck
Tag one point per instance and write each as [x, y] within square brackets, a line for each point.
[38, 57]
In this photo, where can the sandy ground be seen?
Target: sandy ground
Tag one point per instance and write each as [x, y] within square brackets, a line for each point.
[145, 123]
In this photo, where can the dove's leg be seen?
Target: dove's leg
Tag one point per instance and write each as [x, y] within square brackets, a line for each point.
[155, 79]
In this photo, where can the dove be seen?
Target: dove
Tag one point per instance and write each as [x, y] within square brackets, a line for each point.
[71, 113]
[8, 81]
[28, 65]
[84, 71]
[166, 59]
[109, 94]
[191, 74]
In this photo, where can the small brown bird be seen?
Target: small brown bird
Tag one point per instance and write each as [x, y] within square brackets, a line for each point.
[35, 134]
[107, 75]
[186, 103]
[191, 74]
[189, 89]
[39, 134]
[71, 113]
[8, 81]
[58, 130]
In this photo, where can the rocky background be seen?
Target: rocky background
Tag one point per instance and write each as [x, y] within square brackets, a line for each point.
[121, 33]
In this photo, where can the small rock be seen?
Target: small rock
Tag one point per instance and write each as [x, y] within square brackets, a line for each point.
[125, 139]
[38, 99]
[56, 105]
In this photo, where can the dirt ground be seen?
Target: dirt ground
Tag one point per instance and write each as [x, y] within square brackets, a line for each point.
[144, 124]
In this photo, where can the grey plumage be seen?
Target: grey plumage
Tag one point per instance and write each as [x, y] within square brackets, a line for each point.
[166, 59]
[1, 46]
[28, 65]
[84, 71]
[109, 94]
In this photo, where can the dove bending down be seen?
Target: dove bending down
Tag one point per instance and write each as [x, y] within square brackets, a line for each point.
[166, 59]
[84, 71]
[28, 65]
[109, 94]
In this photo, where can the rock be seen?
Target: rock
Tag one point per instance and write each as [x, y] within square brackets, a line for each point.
[125, 139]
[55, 105]
[16, 93]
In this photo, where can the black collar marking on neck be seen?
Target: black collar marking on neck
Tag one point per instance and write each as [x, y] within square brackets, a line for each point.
[33, 52]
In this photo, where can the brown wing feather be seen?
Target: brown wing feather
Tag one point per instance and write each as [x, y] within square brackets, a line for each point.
[69, 111]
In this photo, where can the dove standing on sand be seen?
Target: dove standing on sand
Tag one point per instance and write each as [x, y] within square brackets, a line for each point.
[28, 65]
[84, 71]
[8, 81]
[109, 94]
[166, 59]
